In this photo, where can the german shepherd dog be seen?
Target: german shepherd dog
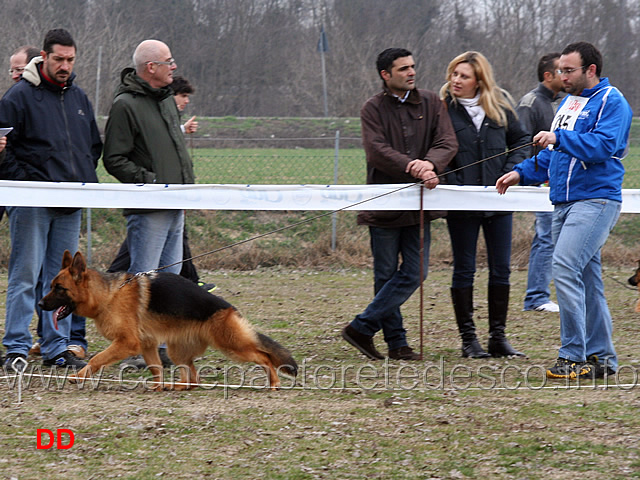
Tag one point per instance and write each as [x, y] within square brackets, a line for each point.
[137, 313]
[635, 281]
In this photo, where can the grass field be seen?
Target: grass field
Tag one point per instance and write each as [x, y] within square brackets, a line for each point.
[347, 418]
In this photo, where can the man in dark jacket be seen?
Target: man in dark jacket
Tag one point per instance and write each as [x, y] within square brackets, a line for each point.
[407, 137]
[536, 110]
[54, 139]
[144, 144]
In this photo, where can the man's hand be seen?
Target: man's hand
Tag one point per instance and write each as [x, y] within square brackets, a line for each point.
[424, 170]
[191, 126]
[505, 181]
[544, 139]
[3, 143]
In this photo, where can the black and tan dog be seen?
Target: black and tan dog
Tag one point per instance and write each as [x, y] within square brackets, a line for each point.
[635, 281]
[139, 313]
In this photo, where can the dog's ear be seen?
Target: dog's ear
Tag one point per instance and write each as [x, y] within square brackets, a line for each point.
[66, 259]
[78, 266]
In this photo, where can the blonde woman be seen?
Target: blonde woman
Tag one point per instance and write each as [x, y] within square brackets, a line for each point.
[486, 125]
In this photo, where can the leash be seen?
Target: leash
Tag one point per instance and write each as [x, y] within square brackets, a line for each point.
[316, 217]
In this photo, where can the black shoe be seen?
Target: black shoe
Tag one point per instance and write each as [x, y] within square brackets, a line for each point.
[136, 361]
[65, 359]
[362, 342]
[209, 287]
[600, 370]
[572, 370]
[500, 347]
[472, 349]
[15, 362]
[404, 353]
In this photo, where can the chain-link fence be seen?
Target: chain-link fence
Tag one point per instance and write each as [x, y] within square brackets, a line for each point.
[321, 160]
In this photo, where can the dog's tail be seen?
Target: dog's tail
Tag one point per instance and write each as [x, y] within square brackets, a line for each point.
[280, 356]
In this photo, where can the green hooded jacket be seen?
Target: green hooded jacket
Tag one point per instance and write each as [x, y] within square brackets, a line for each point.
[143, 140]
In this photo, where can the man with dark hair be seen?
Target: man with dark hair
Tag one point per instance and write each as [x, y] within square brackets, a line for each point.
[589, 135]
[54, 139]
[407, 137]
[536, 110]
[19, 60]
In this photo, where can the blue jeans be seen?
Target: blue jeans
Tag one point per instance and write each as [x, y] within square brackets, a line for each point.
[580, 229]
[464, 231]
[393, 285]
[539, 274]
[155, 240]
[39, 237]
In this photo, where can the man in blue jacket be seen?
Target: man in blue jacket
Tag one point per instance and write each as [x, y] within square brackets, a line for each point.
[588, 140]
[54, 139]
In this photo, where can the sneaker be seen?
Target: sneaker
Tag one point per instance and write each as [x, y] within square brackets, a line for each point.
[15, 362]
[600, 370]
[209, 287]
[362, 342]
[404, 353]
[78, 351]
[138, 362]
[550, 307]
[65, 359]
[35, 350]
[572, 370]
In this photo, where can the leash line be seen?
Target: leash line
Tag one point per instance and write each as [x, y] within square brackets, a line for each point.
[316, 217]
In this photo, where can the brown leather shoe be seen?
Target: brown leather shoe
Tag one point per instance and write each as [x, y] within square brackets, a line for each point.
[35, 349]
[77, 351]
[362, 342]
[404, 353]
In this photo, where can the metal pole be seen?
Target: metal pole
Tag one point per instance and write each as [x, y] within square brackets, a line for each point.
[324, 84]
[421, 269]
[96, 106]
[334, 215]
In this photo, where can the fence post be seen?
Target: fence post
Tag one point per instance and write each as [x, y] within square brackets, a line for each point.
[89, 236]
[334, 215]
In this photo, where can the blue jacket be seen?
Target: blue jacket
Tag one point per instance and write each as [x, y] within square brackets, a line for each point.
[55, 137]
[586, 162]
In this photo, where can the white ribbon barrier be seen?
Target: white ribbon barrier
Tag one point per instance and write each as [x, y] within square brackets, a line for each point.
[282, 197]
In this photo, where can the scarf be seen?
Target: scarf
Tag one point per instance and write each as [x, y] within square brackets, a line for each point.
[475, 110]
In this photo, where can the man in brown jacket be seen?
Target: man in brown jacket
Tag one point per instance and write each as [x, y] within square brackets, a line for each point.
[407, 137]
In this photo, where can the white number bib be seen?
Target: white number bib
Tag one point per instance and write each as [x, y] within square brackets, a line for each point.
[568, 113]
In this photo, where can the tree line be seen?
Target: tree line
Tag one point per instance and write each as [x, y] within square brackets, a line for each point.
[261, 58]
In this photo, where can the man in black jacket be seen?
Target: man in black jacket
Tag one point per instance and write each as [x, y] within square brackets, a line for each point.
[54, 139]
[536, 110]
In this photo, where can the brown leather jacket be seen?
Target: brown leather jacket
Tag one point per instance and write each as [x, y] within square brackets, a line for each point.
[395, 133]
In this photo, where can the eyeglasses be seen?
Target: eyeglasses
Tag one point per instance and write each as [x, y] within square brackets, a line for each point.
[171, 61]
[569, 71]
[16, 70]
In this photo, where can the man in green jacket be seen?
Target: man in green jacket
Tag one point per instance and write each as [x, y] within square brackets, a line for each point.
[144, 144]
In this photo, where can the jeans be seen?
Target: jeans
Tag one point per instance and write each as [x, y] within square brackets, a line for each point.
[464, 231]
[580, 229]
[39, 237]
[393, 285]
[155, 240]
[539, 274]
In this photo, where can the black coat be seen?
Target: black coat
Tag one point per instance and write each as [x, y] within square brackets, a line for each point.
[474, 145]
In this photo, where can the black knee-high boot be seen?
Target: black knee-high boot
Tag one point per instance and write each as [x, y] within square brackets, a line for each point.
[462, 299]
[498, 306]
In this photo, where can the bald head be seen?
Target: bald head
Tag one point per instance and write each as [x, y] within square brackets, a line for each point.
[146, 58]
